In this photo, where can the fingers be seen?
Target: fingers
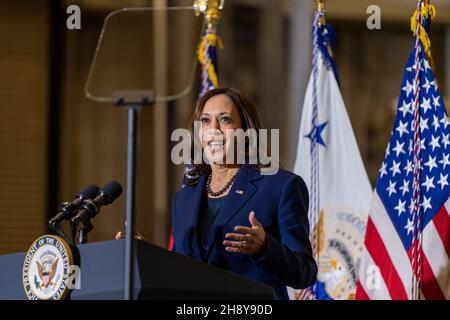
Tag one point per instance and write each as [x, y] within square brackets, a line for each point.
[240, 243]
[253, 221]
[246, 230]
[139, 236]
[120, 235]
[237, 236]
[250, 230]
[235, 250]
[246, 239]
[235, 244]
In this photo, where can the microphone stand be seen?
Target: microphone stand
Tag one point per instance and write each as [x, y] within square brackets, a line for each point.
[82, 233]
[133, 100]
[73, 228]
[80, 236]
[56, 228]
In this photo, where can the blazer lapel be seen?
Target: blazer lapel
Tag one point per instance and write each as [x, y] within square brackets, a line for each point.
[193, 203]
[241, 192]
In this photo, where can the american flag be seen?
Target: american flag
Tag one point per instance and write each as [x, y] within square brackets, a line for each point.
[386, 270]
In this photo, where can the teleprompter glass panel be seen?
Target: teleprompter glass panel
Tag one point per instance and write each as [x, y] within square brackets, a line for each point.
[146, 49]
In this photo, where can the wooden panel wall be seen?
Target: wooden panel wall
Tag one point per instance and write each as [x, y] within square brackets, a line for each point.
[24, 50]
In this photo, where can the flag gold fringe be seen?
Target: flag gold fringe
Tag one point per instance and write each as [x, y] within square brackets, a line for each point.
[428, 11]
[215, 41]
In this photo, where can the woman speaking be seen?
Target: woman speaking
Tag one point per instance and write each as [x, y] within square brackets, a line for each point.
[234, 217]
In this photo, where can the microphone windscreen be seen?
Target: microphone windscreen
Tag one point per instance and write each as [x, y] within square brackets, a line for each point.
[111, 191]
[90, 192]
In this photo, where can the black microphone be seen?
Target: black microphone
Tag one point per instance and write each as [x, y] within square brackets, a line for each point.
[90, 208]
[69, 209]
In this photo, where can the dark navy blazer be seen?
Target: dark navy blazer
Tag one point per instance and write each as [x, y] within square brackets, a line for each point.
[280, 203]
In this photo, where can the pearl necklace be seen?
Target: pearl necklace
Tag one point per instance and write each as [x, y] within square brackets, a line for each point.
[221, 191]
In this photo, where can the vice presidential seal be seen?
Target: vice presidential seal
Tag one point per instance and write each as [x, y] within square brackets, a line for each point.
[46, 269]
[341, 243]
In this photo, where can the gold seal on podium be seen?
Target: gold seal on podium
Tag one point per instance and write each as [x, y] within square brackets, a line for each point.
[46, 268]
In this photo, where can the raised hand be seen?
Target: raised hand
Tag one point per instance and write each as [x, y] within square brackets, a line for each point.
[250, 240]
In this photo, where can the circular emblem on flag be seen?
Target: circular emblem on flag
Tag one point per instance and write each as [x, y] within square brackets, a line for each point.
[341, 242]
[46, 269]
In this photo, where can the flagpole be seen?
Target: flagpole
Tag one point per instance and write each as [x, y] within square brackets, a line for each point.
[417, 213]
[210, 9]
[416, 235]
[319, 21]
[321, 8]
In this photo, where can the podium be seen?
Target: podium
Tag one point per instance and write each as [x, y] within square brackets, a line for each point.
[158, 274]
